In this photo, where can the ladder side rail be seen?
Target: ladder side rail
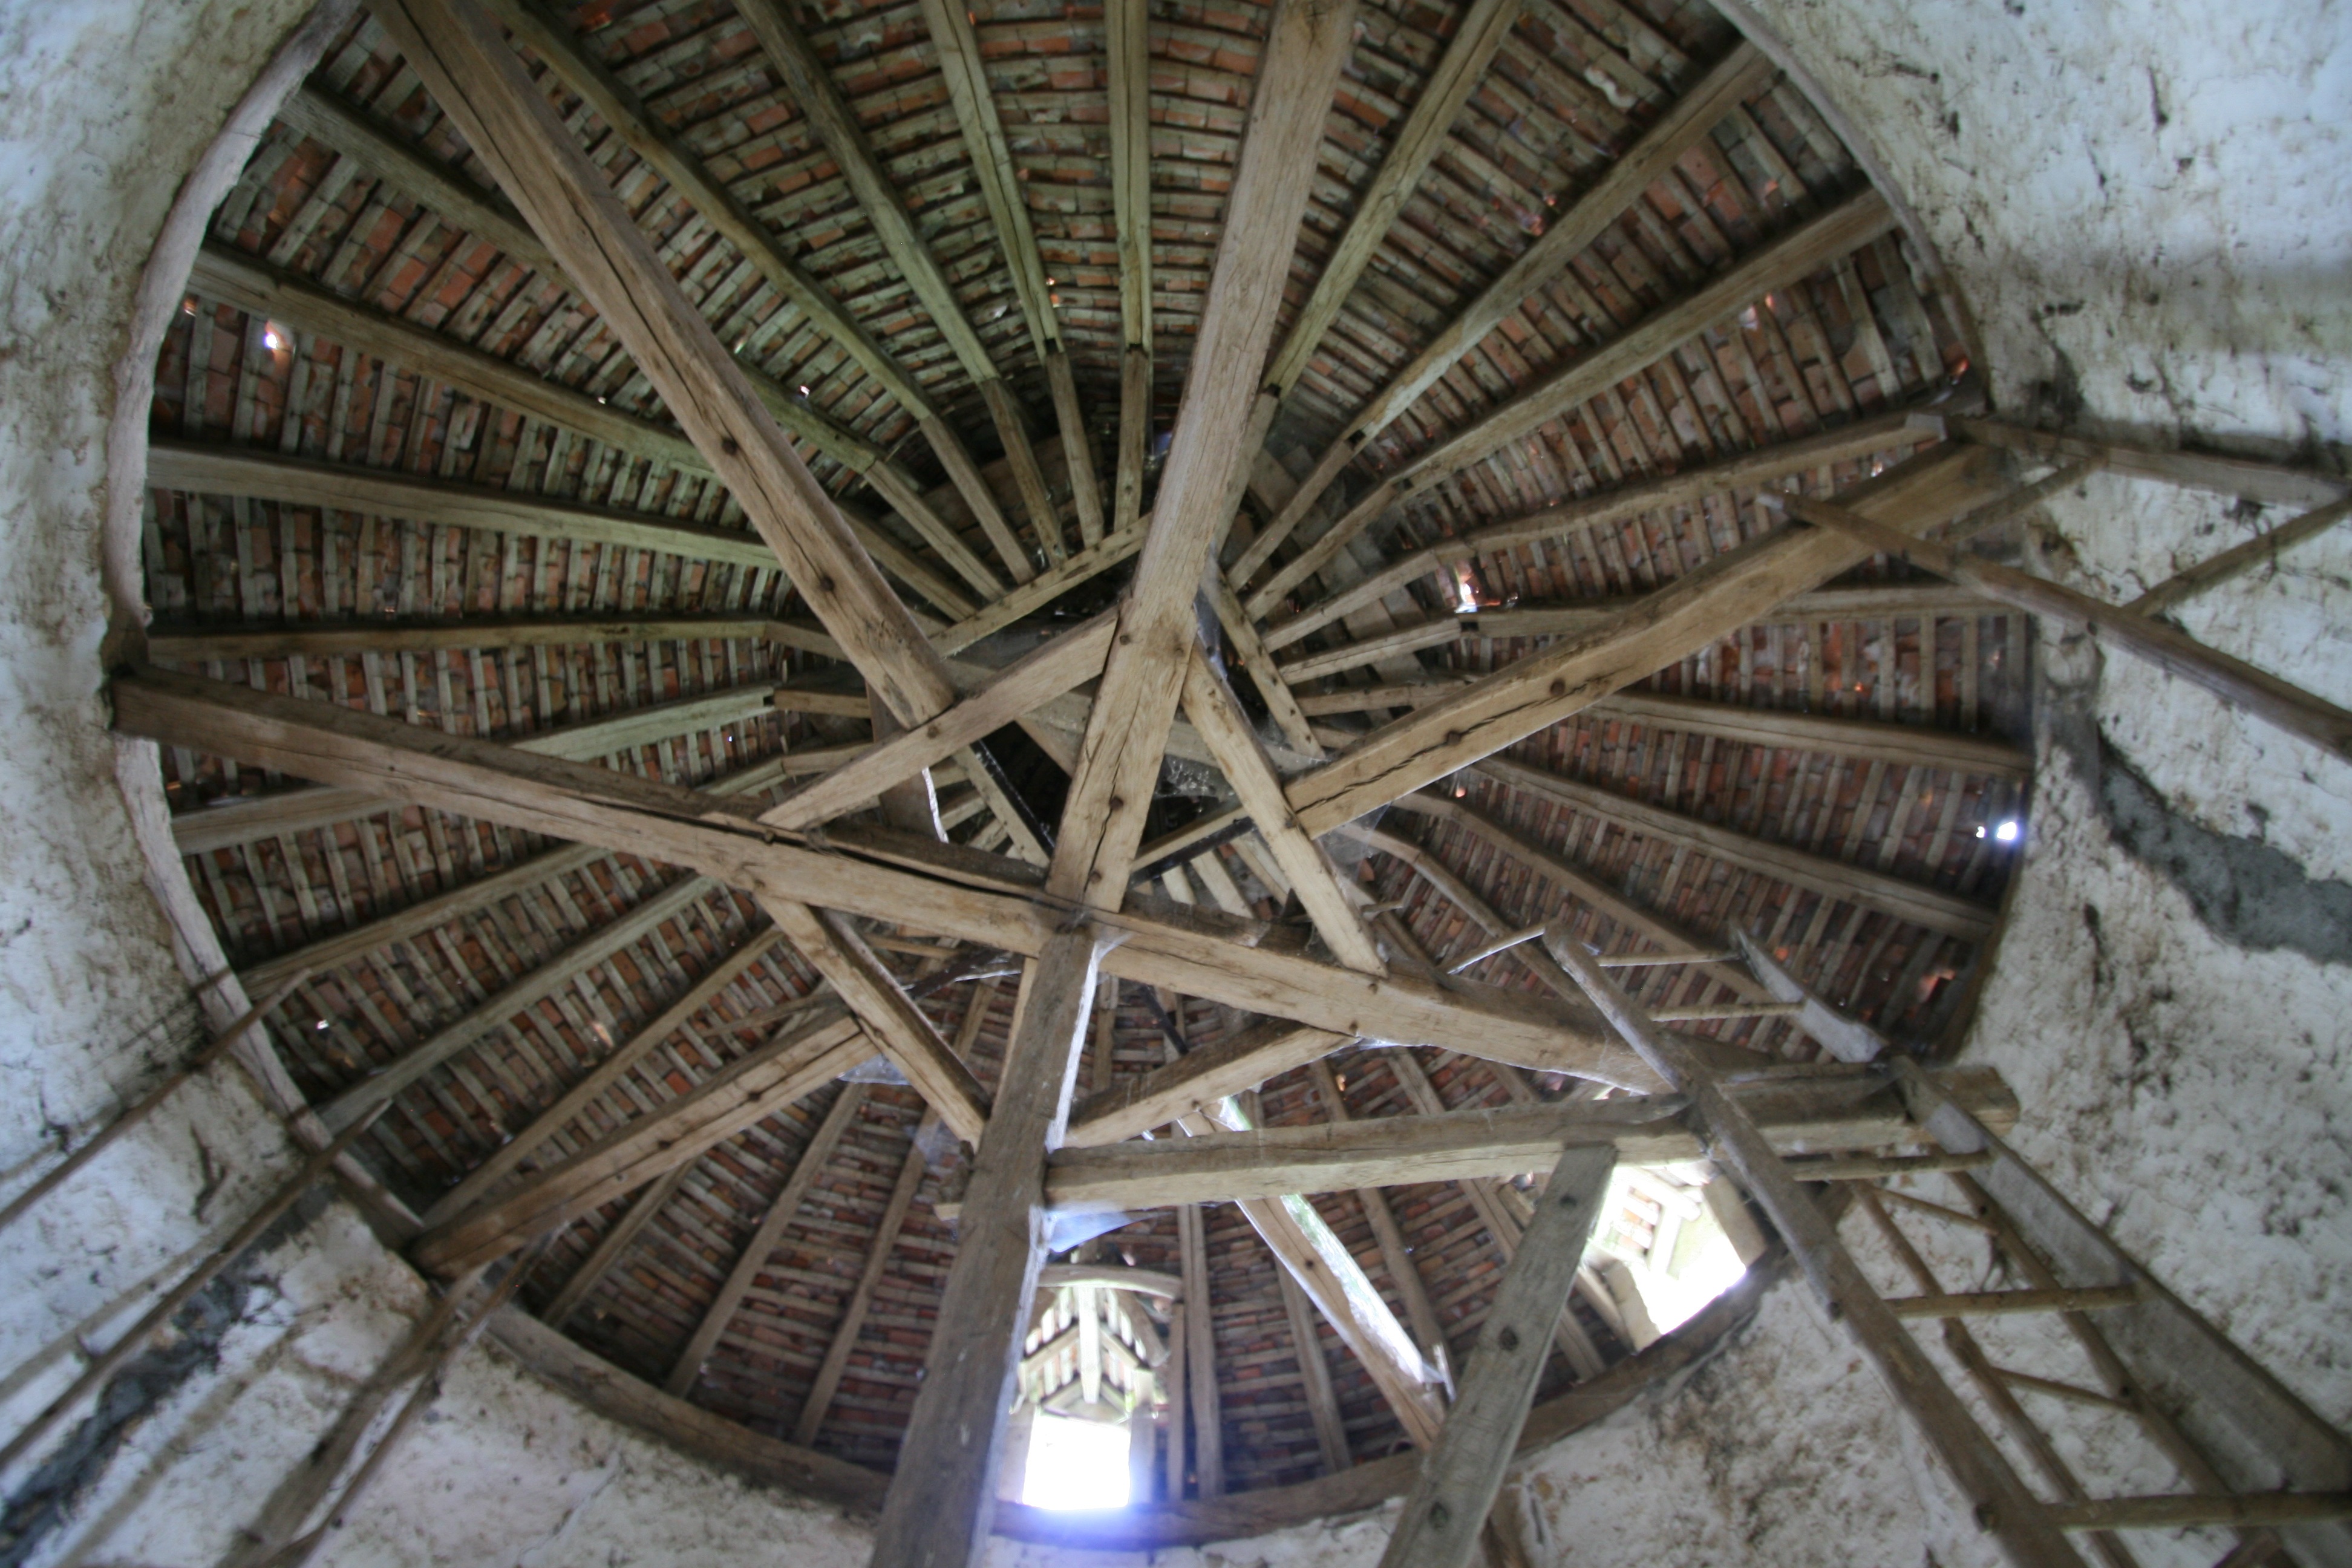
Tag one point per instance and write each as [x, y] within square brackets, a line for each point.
[2254, 1433]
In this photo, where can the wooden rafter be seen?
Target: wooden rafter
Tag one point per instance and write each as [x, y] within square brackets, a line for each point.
[1783, 261]
[836, 125]
[1675, 133]
[481, 84]
[957, 44]
[619, 109]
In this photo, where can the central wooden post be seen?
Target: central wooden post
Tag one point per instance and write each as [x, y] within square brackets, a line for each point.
[938, 1510]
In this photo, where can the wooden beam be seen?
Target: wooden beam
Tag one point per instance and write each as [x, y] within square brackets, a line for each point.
[2273, 484]
[261, 289]
[668, 155]
[1439, 1527]
[1878, 437]
[1330, 1276]
[1126, 48]
[1200, 1357]
[2005, 1508]
[2240, 559]
[615, 1241]
[1426, 865]
[1048, 586]
[1219, 716]
[213, 469]
[1314, 1374]
[1021, 688]
[1730, 591]
[319, 114]
[248, 818]
[1396, 1254]
[2233, 680]
[957, 45]
[852, 1321]
[1478, 34]
[1869, 740]
[866, 871]
[1776, 264]
[1675, 133]
[1908, 900]
[481, 83]
[511, 1156]
[1539, 620]
[1846, 1110]
[201, 642]
[1112, 1276]
[940, 1518]
[833, 949]
[1199, 1078]
[1126, 732]
[815, 93]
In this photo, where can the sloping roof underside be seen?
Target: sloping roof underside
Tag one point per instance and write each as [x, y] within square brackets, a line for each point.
[1570, 88]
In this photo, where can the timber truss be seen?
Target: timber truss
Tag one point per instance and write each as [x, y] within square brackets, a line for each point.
[728, 791]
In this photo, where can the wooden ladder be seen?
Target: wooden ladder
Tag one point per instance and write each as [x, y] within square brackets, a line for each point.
[2253, 1457]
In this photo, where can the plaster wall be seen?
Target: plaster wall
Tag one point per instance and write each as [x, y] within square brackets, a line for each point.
[2146, 206]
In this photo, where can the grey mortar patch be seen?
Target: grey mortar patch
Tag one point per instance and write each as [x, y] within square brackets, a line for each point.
[2243, 891]
[45, 1502]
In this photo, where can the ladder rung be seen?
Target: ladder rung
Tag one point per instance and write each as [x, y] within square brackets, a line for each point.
[1983, 1303]
[1950, 1215]
[2251, 1510]
[2080, 1395]
[1870, 1167]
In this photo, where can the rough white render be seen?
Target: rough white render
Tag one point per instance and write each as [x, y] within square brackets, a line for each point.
[2145, 207]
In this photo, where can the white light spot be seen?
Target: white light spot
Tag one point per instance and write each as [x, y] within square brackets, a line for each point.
[1076, 1465]
[803, 392]
[322, 1023]
[2008, 831]
[271, 341]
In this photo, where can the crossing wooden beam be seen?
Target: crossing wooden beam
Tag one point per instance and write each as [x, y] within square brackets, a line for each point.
[864, 871]
[2218, 473]
[938, 1512]
[1118, 765]
[1720, 595]
[2241, 685]
[1848, 1109]
[1439, 1526]
[479, 81]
